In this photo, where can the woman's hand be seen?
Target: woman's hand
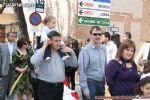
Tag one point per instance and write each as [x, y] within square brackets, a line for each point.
[22, 70]
[67, 50]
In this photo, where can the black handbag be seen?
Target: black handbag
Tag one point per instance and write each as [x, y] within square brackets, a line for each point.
[31, 66]
[69, 69]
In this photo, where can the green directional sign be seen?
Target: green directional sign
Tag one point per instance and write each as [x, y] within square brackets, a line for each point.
[93, 21]
[94, 12]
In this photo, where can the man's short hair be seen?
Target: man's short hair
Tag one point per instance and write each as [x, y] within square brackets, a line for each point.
[107, 35]
[128, 34]
[53, 34]
[95, 27]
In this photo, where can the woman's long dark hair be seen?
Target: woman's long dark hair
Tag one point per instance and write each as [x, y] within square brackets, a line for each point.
[75, 46]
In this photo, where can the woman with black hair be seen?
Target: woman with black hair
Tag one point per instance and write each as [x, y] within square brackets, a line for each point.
[20, 61]
[70, 71]
[143, 88]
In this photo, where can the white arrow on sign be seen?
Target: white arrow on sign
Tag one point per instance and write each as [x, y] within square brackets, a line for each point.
[80, 20]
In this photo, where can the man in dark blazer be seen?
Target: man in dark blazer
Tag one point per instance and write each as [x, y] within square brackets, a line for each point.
[6, 68]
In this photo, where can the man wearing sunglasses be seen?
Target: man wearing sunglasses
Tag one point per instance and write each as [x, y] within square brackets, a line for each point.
[6, 68]
[92, 62]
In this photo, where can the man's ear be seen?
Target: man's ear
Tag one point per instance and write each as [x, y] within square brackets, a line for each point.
[107, 38]
[49, 41]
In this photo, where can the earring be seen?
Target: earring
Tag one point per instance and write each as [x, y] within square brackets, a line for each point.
[142, 89]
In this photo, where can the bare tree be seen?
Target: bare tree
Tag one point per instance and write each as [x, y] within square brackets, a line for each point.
[2, 5]
[2, 9]
[21, 20]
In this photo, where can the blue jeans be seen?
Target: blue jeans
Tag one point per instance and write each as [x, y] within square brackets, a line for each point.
[11, 97]
[96, 88]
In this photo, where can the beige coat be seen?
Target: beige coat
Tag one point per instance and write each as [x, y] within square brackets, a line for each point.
[143, 53]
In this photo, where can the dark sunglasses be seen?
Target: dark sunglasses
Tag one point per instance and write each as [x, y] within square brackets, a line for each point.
[13, 36]
[25, 43]
[96, 34]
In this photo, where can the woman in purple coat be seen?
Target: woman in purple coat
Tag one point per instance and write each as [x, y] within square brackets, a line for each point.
[121, 73]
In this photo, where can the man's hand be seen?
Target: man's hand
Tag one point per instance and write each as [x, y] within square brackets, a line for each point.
[67, 50]
[87, 96]
[78, 71]
[46, 43]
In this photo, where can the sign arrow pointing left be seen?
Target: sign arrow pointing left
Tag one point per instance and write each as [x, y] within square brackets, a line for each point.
[81, 12]
[81, 3]
[80, 20]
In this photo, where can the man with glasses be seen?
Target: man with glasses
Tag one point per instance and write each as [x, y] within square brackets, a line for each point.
[6, 68]
[92, 62]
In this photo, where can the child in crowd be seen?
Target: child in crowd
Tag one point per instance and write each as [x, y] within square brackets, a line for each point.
[50, 24]
[145, 68]
[143, 88]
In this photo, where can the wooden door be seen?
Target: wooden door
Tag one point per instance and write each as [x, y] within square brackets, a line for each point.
[2, 34]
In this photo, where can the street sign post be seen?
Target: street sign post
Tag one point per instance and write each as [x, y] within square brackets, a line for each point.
[94, 12]
[39, 6]
[114, 29]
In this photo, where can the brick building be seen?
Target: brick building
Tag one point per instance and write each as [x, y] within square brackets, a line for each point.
[7, 23]
[66, 13]
[131, 15]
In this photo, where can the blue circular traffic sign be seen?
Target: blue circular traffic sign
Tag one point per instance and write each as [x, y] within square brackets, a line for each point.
[35, 18]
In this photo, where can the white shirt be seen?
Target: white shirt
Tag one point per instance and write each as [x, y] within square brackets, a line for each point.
[44, 33]
[111, 49]
[11, 48]
[143, 53]
[145, 75]
[67, 94]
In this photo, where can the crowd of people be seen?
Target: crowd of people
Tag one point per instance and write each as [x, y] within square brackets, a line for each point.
[50, 62]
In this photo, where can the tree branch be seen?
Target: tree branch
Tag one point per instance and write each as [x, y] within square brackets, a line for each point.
[2, 9]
